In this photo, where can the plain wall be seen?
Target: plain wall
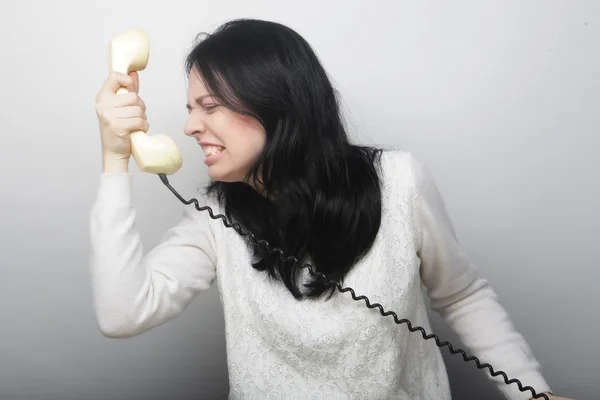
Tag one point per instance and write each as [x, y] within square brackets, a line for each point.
[500, 99]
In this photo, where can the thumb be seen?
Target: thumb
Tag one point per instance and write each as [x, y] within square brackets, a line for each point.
[135, 86]
[113, 82]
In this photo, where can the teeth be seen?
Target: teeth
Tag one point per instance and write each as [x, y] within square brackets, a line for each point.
[212, 150]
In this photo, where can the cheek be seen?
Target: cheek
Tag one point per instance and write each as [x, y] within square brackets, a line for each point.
[246, 148]
[256, 142]
[246, 137]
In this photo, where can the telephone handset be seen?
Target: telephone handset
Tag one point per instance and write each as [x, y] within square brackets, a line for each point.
[159, 155]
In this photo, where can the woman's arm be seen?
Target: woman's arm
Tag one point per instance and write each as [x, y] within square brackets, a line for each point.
[466, 301]
[134, 292]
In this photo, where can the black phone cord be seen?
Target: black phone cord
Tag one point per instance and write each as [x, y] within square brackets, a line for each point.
[237, 227]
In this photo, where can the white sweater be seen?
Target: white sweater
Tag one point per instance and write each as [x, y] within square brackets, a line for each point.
[281, 348]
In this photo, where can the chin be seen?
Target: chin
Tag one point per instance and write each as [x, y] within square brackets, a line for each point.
[220, 176]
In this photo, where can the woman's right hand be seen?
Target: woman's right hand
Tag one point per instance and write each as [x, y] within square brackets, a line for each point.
[118, 116]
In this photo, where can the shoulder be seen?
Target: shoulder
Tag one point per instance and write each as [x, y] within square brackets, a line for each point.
[400, 167]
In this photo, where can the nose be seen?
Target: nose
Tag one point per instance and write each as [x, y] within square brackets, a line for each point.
[194, 125]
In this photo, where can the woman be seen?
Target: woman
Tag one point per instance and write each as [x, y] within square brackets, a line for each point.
[280, 163]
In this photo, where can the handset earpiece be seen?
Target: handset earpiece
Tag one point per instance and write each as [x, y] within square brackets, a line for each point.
[157, 154]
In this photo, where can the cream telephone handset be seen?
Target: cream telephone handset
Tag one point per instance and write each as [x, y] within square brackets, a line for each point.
[159, 155]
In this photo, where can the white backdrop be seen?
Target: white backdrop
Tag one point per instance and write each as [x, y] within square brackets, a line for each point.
[500, 99]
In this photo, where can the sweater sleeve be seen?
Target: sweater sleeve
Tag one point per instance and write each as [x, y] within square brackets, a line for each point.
[465, 300]
[132, 291]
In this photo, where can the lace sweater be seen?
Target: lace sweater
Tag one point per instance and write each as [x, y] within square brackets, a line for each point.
[281, 348]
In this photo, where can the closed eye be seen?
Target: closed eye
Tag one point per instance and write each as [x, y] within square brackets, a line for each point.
[211, 107]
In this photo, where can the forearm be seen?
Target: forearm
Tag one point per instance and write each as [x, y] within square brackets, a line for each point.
[119, 281]
[134, 292]
[486, 329]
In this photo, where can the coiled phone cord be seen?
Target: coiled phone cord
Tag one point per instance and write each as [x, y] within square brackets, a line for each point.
[341, 289]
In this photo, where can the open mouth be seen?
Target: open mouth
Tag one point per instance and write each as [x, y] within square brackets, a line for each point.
[210, 151]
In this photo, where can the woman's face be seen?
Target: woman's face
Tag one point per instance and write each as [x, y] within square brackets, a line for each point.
[231, 142]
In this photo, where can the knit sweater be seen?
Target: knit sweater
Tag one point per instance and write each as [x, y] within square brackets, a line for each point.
[282, 348]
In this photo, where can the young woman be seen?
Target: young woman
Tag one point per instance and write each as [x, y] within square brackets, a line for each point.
[280, 163]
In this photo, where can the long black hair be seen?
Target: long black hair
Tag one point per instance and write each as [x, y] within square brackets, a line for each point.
[320, 199]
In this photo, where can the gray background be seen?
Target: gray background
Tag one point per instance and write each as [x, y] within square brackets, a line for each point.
[500, 99]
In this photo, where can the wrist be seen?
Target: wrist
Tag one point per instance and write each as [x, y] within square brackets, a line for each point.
[114, 163]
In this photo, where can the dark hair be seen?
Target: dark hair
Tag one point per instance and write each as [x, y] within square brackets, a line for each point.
[321, 201]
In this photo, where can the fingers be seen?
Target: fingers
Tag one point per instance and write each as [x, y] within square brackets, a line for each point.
[116, 80]
[135, 124]
[121, 113]
[130, 112]
[128, 99]
[122, 121]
